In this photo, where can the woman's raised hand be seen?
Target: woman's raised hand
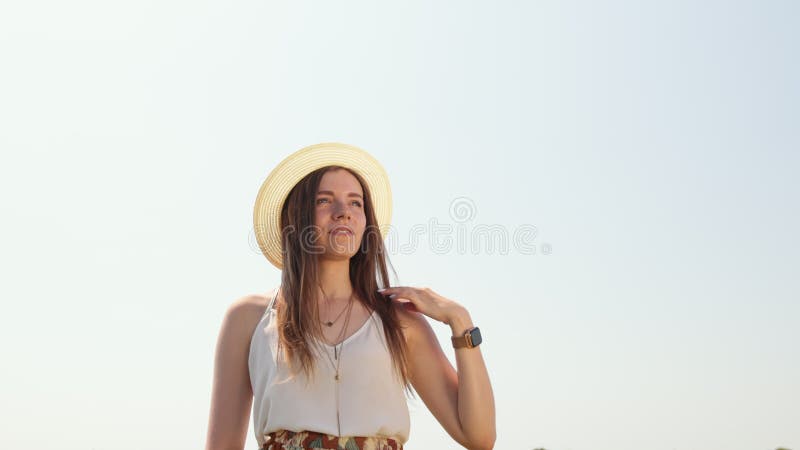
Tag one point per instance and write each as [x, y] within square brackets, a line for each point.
[425, 301]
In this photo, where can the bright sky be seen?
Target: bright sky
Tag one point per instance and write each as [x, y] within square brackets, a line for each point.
[650, 150]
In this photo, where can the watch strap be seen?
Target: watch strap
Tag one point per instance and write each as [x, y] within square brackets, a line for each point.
[463, 341]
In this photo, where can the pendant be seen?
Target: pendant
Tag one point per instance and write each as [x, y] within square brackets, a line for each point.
[336, 377]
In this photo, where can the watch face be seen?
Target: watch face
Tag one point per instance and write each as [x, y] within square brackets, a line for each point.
[476, 337]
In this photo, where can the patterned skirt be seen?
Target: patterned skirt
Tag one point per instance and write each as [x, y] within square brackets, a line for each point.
[311, 440]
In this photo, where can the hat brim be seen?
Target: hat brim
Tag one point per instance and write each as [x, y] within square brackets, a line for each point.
[276, 187]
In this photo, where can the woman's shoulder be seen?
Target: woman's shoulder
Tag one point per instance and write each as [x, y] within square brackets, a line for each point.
[413, 323]
[249, 309]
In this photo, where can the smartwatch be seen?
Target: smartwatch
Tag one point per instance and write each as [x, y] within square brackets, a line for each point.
[471, 338]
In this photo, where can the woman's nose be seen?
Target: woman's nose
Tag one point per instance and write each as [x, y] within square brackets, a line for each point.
[341, 210]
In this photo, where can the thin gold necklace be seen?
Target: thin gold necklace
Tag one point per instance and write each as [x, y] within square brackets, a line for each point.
[338, 356]
[331, 322]
[337, 347]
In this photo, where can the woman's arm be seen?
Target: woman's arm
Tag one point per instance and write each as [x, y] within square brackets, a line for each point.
[231, 395]
[475, 397]
[462, 401]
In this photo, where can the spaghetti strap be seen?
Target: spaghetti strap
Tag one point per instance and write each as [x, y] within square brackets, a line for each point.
[272, 302]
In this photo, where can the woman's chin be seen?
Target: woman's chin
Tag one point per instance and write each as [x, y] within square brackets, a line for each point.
[344, 246]
[340, 252]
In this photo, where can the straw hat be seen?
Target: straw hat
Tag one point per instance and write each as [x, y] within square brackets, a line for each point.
[279, 182]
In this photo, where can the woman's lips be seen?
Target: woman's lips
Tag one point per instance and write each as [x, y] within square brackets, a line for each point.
[342, 230]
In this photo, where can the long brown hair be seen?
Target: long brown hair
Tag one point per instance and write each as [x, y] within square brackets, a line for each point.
[298, 319]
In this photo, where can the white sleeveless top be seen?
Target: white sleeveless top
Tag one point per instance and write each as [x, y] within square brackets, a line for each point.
[372, 400]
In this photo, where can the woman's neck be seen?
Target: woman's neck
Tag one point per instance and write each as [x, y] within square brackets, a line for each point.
[334, 278]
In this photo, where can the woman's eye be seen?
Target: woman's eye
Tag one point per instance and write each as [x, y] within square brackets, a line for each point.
[356, 202]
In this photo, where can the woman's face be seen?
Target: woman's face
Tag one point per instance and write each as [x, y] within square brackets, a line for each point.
[339, 203]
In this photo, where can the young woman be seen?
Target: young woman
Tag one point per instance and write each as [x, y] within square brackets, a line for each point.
[330, 354]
